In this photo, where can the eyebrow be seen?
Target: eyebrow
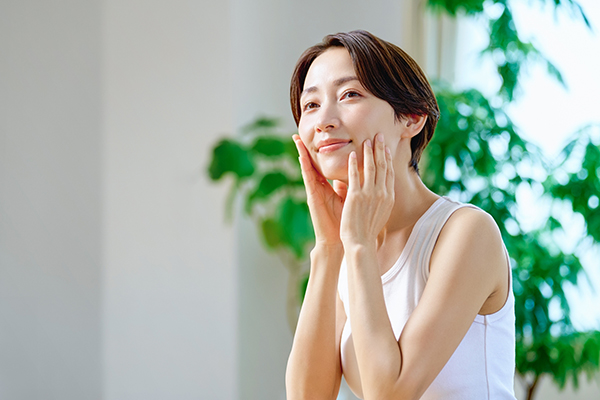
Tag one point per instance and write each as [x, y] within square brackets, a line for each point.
[336, 83]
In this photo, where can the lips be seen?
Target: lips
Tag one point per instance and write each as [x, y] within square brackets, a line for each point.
[328, 146]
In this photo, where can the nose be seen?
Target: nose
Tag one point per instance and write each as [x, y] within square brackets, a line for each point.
[328, 119]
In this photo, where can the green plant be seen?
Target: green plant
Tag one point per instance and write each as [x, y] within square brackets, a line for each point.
[476, 156]
[265, 171]
[266, 174]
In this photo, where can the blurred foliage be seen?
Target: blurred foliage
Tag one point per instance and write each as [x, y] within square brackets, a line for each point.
[266, 174]
[509, 51]
[475, 156]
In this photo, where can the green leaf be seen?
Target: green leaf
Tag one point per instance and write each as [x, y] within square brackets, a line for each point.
[303, 286]
[269, 146]
[271, 232]
[555, 73]
[269, 184]
[453, 7]
[298, 231]
[230, 157]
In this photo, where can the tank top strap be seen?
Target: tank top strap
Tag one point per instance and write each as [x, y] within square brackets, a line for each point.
[428, 235]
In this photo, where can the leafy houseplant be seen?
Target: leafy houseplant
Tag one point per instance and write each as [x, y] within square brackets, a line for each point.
[476, 156]
[489, 163]
[266, 175]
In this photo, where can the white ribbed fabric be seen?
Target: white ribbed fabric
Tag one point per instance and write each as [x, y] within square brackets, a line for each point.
[483, 365]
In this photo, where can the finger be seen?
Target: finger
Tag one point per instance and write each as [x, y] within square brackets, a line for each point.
[380, 162]
[310, 174]
[368, 165]
[304, 157]
[341, 189]
[353, 178]
[306, 167]
[302, 151]
[389, 178]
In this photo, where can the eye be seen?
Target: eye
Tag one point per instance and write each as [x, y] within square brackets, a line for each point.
[350, 94]
[309, 106]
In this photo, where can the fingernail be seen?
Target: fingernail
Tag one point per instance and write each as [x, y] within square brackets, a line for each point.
[380, 137]
[353, 155]
[387, 150]
[369, 143]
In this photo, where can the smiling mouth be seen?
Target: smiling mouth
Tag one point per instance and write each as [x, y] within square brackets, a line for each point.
[333, 147]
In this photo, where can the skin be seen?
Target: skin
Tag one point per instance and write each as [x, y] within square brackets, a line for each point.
[367, 215]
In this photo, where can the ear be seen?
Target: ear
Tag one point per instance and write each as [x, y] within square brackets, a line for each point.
[413, 124]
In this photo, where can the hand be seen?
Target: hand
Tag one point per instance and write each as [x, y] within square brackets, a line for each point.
[368, 206]
[325, 202]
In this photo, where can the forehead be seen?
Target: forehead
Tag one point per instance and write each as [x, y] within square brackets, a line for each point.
[333, 64]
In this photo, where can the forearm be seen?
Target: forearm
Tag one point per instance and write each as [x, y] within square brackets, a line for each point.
[313, 366]
[377, 350]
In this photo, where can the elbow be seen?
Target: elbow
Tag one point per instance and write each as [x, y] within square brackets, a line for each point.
[304, 392]
[392, 389]
[297, 389]
[293, 394]
[391, 394]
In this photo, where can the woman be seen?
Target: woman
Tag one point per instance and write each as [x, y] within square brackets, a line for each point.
[409, 294]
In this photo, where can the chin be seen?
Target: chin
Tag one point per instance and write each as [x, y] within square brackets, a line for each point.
[339, 173]
[337, 170]
[333, 170]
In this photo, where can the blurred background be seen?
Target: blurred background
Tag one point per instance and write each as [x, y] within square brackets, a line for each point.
[119, 276]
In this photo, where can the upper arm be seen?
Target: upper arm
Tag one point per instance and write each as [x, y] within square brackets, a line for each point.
[468, 265]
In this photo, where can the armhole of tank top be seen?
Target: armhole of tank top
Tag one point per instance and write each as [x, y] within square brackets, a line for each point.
[427, 258]
[508, 300]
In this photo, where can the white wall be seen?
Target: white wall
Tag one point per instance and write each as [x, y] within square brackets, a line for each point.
[169, 275]
[50, 200]
[117, 275]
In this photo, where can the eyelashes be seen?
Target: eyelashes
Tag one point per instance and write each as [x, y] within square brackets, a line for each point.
[310, 105]
[350, 93]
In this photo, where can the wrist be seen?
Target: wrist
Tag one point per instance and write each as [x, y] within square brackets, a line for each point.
[357, 249]
[329, 250]
[356, 243]
[326, 259]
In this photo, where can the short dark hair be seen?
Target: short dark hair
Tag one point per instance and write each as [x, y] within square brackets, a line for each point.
[386, 71]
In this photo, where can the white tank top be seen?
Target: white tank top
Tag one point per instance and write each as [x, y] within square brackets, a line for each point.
[483, 365]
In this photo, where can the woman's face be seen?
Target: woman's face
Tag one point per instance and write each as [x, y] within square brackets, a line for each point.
[339, 114]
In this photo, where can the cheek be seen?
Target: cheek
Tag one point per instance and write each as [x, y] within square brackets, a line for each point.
[303, 131]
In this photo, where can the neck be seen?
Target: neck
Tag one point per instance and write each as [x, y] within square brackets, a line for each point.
[412, 199]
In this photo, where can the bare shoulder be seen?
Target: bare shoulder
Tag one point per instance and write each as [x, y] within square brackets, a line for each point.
[470, 225]
[470, 246]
